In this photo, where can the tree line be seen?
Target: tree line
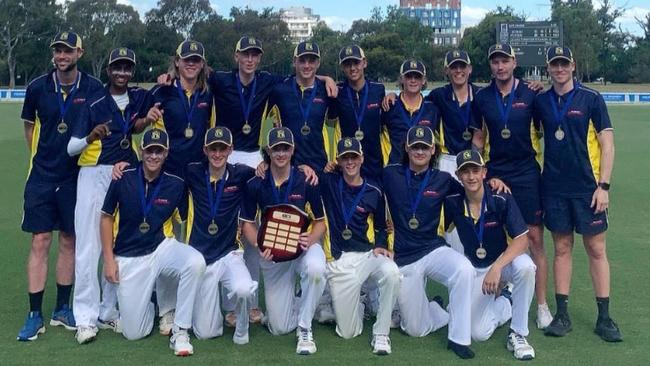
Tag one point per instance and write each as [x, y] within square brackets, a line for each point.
[387, 36]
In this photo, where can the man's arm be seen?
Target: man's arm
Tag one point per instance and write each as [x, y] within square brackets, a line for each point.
[111, 271]
[600, 198]
[518, 246]
[29, 134]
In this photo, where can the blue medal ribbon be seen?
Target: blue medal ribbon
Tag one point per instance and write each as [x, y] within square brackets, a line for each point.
[144, 203]
[189, 106]
[465, 111]
[559, 114]
[348, 213]
[246, 107]
[124, 119]
[505, 109]
[481, 220]
[359, 110]
[213, 201]
[416, 202]
[64, 105]
[409, 120]
[276, 191]
[305, 111]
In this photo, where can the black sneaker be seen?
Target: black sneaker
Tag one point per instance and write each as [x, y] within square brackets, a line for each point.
[461, 351]
[439, 300]
[608, 330]
[559, 327]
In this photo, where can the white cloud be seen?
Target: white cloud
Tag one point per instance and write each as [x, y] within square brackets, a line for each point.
[471, 16]
[337, 23]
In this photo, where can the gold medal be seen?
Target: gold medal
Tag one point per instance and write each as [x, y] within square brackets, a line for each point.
[467, 135]
[62, 127]
[305, 130]
[246, 129]
[144, 227]
[189, 132]
[125, 144]
[559, 134]
[481, 253]
[346, 234]
[358, 135]
[414, 223]
[213, 228]
[505, 133]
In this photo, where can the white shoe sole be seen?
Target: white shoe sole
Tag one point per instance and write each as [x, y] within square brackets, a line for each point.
[40, 330]
[58, 323]
[527, 357]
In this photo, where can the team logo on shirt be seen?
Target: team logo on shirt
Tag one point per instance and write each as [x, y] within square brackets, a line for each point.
[79, 101]
[424, 122]
[319, 100]
[520, 105]
[360, 209]
[231, 189]
[160, 201]
[429, 193]
[295, 197]
[372, 106]
[491, 224]
[202, 105]
[575, 113]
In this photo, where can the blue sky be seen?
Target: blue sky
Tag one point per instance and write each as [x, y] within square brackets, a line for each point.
[339, 14]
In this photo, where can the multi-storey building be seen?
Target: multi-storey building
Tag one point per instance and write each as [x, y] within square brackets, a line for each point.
[441, 15]
[301, 22]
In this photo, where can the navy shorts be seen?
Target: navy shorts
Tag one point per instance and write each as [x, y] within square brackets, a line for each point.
[49, 206]
[564, 215]
[526, 193]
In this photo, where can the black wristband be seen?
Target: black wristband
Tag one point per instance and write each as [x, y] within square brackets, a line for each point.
[604, 186]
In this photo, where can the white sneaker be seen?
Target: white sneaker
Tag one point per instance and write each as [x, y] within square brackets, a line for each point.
[86, 334]
[166, 323]
[306, 344]
[395, 319]
[180, 342]
[380, 345]
[518, 345]
[544, 317]
[113, 324]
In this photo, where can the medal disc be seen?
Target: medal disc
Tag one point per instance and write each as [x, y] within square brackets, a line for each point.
[467, 135]
[246, 129]
[125, 144]
[62, 128]
[189, 132]
[346, 234]
[144, 228]
[358, 135]
[305, 130]
[414, 223]
[481, 253]
[505, 133]
[559, 134]
[213, 228]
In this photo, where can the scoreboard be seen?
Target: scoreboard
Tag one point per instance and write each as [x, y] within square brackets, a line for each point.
[530, 39]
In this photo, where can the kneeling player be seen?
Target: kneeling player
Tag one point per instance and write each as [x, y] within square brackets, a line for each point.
[146, 199]
[485, 219]
[356, 215]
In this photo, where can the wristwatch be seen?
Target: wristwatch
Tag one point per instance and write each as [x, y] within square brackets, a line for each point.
[604, 186]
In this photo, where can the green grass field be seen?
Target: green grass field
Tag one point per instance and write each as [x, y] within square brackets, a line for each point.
[628, 253]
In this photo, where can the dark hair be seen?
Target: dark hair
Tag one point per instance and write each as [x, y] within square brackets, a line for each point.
[267, 158]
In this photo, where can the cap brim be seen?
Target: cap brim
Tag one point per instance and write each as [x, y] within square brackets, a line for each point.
[309, 53]
[349, 151]
[281, 143]
[121, 59]
[469, 163]
[144, 147]
[415, 71]
[192, 54]
[500, 52]
[217, 142]
[358, 58]
[559, 57]
[462, 60]
[420, 142]
[250, 48]
[63, 43]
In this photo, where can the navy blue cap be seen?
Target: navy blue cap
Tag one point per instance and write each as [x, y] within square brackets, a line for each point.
[469, 157]
[413, 66]
[280, 135]
[220, 135]
[67, 38]
[557, 52]
[503, 49]
[121, 53]
[353, 52]
[190, 48]
[348, 145]
[457, 56]
[248, 43]
[155, 137]
[420, 135]
[306, 48]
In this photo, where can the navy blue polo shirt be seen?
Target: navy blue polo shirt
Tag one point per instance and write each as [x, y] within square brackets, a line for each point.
[454, 119]
[182, 150]
[345, 110]
[259, 195]
[368, 223]
[123, 202]
[397, 126]
[502, 221]
[284, 109]
[214, 247]
[411, 245]
[516, 156]
[50, 161]
[229, 108]
[572, 165]
[103, 109]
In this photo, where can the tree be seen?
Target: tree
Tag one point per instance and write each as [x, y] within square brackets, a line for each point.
[180, 14]
[613, 45]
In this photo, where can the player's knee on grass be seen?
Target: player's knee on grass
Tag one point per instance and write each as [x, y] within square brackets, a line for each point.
[481, 333]
[41, 244]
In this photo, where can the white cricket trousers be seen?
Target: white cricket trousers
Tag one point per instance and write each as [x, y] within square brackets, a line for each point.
[92, 184]
[345, 277]
[419, 316]
[230, 271]
[447, 163]
[137, 277]
[488, 312]
[284, 311]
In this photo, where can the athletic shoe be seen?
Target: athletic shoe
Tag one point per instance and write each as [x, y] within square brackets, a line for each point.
[32, 328]
[438, 300]
[518, 345]
[255, 315]
[86, 334]
[166, 323]
[544, 317]
[231, 319]
[559, 327]
[113, 324]
[395, 319]
[240, 340]
[306, 344]
[608, 330]
[64, 317]
[380, 345]
[180, 342]
[461, 351]
[325, 314]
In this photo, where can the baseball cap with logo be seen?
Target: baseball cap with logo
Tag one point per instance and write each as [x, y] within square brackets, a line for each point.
[351, 52]
[306, 48]
[420, 135]
[155, 137]
[413, 66]
[280, 135]
[349, 145]
[69, 39]
[501, 49]
[219, 135]
[121, 53]
[248, 43]
[457, 56]
[558, 53]
[469, 157]
[190, 48]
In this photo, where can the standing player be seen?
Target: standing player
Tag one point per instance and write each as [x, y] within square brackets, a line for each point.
[578, 162]
[146, 198]
[486, 220]
[505, 109]
[284, 183]
[216, 191]
[358, 248]
[415, 193]
[53, 103]
[103, 138]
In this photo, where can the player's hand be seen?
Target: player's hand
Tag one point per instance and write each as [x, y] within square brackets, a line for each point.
[310, 175]
[261, 169]
[118, 168]
[99, 132]
[111, 271]
[331, 167]
[498, 185]
[600, 200]
[164, 79]
[389, 100]
[535, 85]
[306, 240]
[382, 251]
[491, 281]
[330, 86]
[390, 227]
[266, 254]
[154, 114]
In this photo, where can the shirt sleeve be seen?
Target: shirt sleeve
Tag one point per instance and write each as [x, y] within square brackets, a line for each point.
[476, 121]
[381, 232]
[315, 201]
[599, 115]
[110, 201]
[29, 106]
[147, 103]
[82, 128]
[249, 203]
[515, 224]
